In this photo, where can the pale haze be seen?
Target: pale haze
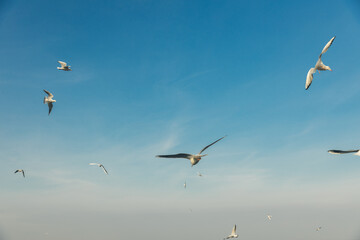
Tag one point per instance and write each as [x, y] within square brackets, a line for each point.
[165, 77]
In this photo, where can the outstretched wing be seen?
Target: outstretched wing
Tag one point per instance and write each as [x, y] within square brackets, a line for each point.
[342, 152]
[179, 155]
[48, 93]
[63, 64]
[327, 46]
[94, 164]
[16, 171]
[50, 107]
[23, 172]
[210, 145]
[104, 169]
[234, 230]
[309, 77]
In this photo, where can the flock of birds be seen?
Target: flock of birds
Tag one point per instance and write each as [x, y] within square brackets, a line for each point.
[195, 158]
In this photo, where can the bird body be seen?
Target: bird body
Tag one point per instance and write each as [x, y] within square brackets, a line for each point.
[319, 66]
[194, 158]
[64, 66]
[20, 170]
[49, 100]
[269, 217]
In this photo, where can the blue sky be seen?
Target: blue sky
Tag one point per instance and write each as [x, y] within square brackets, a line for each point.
[162, 77]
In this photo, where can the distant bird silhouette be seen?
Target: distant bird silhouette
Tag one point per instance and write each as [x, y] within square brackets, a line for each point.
[49, 100]
[320, 66]
[64, 66]
[356, 152]
[233, 233]
[99, 165]
[194, 159]
[20, 170]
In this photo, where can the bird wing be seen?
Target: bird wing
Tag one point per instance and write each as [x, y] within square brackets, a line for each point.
[48, 93]
[16, 171]
[94, 164]
[210, 145]
[342, 152]
[23, 172]
[179, 155]
[104, 169]
[327, 46]
[63, 64]
[50, 107]
[309, 77]
[233, 232]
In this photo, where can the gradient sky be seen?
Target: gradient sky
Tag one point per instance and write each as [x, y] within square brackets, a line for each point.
[162, 77]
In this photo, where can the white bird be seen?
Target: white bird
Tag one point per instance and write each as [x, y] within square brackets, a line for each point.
[194, 158]
[64, 66]
[318, 229]
[199, 174]
[320, 66]
[100, 165]
[233, 233]
[185, 184]
[20, 170]
[356, 152]
[269, 217]
[49, 100]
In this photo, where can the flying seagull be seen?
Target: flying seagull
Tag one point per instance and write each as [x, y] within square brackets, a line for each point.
[49, 100]
[269, 217]
[320, 66]
[356, 152]
[20, 170]
[318, 229]
[100, 165]
[64, 66]
[194, 159]
[233, 233]
[199, 174]
[185, 184]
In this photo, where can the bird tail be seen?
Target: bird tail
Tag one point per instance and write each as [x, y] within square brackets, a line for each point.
[44, 100]
[357, 153]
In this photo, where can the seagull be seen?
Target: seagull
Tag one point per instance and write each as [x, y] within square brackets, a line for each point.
[20, 170]
[199, 174]
[185, 184]
[356, 152]
[233, 233]
[100, 165]
[320, 66]
[269, 217]
[49, 100]
[318, 229]
[194, 159]
[64, 66]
